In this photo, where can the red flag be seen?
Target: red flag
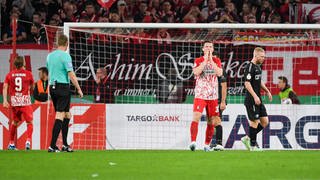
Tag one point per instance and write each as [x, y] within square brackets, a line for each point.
[106, 3]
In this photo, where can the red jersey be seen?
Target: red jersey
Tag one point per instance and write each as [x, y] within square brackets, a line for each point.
[19, 82]
[207, 82]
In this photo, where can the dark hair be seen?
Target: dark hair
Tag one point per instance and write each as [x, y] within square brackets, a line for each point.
[62, 40]
[206, 41]
[44, 70]
[18, 62]
[284, 79]
[36, 13]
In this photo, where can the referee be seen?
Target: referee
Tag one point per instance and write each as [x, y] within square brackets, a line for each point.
[60, 73]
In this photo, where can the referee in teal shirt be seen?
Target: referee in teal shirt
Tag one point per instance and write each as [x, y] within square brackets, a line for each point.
[61, 72]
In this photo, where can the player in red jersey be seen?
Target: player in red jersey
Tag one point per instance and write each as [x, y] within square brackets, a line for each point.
[206, 70]
[18, 84]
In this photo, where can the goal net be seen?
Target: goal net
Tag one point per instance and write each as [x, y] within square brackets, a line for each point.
[148, 89]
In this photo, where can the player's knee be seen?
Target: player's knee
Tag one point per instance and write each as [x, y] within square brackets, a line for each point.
[217, 121]
[68, 115]
[197, 116]
[264, 122]
[60, 115]
[15, 123]
[254, 124]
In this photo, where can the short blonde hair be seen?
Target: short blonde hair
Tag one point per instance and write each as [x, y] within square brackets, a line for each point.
[257, 50]
[62, 40]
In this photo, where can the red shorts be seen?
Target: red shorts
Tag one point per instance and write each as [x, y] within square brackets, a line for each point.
[22, 111]
[211, 106]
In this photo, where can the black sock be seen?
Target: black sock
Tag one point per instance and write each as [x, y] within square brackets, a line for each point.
[259, 128]
[253, 136]
[55, 132]
[219, 134]
[65, 128]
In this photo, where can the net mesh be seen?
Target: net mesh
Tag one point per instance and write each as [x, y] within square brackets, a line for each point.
[149, 83]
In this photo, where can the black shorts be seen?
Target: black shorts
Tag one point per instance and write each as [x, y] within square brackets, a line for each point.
[256, 111]
[61, 97]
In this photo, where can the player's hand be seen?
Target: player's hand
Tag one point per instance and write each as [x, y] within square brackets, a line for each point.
[223, 105]
[80, 93]
[210, 56]
[269, 96]
[206, 53]
[257, 100]
[5, 104]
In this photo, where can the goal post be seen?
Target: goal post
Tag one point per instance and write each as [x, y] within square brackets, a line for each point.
[151, 82]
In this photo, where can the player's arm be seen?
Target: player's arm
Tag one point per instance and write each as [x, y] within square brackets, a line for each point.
[217, 66]
[197, 70]
[39, 96]
[68, 66]
[5, 95]
[264, 87]
[74, 81]
[223, 95]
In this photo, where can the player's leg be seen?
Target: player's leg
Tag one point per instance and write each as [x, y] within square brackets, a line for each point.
[16, 116]
[66, 120]
[253, 115]
[198, 106]
[27, 113]
[65, 129]
[218, 133]
[60, 114]
[264, 121]
[212, 109]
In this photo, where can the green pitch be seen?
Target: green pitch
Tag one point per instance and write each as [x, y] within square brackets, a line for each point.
[120, 164]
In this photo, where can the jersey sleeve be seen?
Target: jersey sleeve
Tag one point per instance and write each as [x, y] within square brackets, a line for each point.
[218, 62]
[7, 79]
[197, 62]
[68, 63]
[248, 73]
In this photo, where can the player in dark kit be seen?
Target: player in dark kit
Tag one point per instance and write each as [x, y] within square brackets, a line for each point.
[216, 143]
[256, 111]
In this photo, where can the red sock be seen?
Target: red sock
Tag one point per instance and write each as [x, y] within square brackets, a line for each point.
[29, 131]
[209, 133]
[194, 130]
[13, 130]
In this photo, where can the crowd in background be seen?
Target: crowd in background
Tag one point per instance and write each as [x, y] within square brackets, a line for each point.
[33, 14]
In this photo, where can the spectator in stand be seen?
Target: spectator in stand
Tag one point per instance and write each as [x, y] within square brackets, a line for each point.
[266, 13]
[122, 10]
[21, 33]
[114, 17]
[140, 14]
[154, 9]
[36, 18]
[43, 16]
[210, 10]
[230, 14]
[25, 7]
[90, 11]
[284, 9]
[166, 14]
[163, 36]
[245, 13]
[50, 7]
[57, 19]
[36, 36]
[68, 13]
[194, 15]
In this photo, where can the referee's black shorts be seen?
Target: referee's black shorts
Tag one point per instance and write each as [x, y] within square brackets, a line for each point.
[256, 111]
[61, 96]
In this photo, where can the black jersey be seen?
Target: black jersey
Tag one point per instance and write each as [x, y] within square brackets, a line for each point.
[252, 74]
[221, 79]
